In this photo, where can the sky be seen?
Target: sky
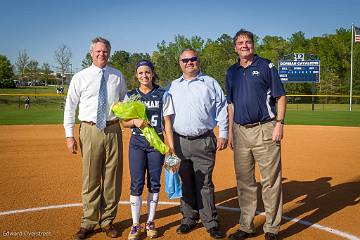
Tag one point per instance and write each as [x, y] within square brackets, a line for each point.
[41, 26]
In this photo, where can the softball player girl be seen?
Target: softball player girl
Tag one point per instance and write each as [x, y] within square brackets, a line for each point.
[144, 159]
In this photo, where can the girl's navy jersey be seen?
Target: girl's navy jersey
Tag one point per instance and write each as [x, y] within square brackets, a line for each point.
[154, 107]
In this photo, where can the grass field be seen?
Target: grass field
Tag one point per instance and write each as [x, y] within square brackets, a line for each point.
[36, 115]
[333, 118]
[52, 113]
[322, 107]
[43, 109]
[49, 109]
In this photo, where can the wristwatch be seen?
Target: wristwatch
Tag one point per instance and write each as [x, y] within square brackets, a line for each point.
[280, 121]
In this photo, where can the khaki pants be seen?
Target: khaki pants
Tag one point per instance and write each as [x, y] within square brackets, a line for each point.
[102, 173]
[255, 145]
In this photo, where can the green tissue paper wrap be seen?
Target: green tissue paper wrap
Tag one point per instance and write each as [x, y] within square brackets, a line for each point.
[133, 109]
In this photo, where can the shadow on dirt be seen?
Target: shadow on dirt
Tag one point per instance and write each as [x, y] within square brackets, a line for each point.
[318, 198]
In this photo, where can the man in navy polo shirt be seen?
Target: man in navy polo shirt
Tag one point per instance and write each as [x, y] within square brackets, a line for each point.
[255, 131]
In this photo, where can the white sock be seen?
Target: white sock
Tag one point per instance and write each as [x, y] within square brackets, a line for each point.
[152, 204]
[135, 203]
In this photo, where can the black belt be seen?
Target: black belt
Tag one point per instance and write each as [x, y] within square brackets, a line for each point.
[251, 125]
[204, 135]
[108, 123]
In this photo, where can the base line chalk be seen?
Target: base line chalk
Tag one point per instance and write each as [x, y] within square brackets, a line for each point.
[295, 220]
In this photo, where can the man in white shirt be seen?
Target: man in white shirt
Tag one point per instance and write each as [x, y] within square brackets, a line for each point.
[94, 90]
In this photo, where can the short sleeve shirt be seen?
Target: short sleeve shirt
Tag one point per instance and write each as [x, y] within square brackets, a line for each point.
[253, 90]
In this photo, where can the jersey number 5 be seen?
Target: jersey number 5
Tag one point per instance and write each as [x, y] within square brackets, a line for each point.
[154, 120]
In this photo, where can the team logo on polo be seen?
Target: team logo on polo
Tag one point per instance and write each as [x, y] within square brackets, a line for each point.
[255, 73]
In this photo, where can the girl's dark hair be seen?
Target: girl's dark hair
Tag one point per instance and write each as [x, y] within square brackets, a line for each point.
[148, 63]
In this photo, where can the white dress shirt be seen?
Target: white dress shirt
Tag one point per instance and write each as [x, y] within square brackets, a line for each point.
[84, 90]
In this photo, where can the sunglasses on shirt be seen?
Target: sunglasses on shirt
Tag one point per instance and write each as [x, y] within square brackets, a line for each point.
[192, 59]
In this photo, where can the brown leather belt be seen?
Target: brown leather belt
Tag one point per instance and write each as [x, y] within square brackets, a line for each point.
[251, 125]
[108, 123]
[204, 135]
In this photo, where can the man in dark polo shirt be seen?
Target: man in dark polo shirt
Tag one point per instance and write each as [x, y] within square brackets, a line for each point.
[255, 131]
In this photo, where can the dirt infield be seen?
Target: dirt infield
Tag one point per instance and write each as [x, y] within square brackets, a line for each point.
[321, 187]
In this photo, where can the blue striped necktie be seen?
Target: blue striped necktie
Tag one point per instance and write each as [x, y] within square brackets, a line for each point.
[102, 103]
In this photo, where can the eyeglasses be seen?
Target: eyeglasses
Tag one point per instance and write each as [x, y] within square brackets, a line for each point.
[192, 59]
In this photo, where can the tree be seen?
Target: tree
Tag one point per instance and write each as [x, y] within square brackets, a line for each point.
[87, 61]
[166, 66]
[63, 58]
[46, 73]
[273, 48]
[125, 62]
[6, 71]
[217, 56]
[21, 64]
[167, 56]
[120, 60]
[334, 53]
[32, 70]
[356, 72]
[298, 42]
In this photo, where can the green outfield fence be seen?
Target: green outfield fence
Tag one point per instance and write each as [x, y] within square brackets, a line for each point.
[295, 102]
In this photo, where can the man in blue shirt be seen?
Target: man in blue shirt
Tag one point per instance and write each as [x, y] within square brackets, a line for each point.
[200, 105]
[255, 131]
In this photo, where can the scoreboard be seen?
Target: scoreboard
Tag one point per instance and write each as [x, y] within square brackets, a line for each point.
[299, 70]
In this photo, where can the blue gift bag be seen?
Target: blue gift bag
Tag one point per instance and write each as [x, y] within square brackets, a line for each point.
[172, 184]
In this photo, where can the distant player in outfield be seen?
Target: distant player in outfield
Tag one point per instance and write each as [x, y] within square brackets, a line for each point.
[95, 89]
[27, 103]
[144, 159]
[200, 106]
[253, 90]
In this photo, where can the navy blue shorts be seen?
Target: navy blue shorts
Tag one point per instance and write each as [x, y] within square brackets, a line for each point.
[144, 159]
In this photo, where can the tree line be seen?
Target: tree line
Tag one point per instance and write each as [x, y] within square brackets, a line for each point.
[27, 70]
[218, 55]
